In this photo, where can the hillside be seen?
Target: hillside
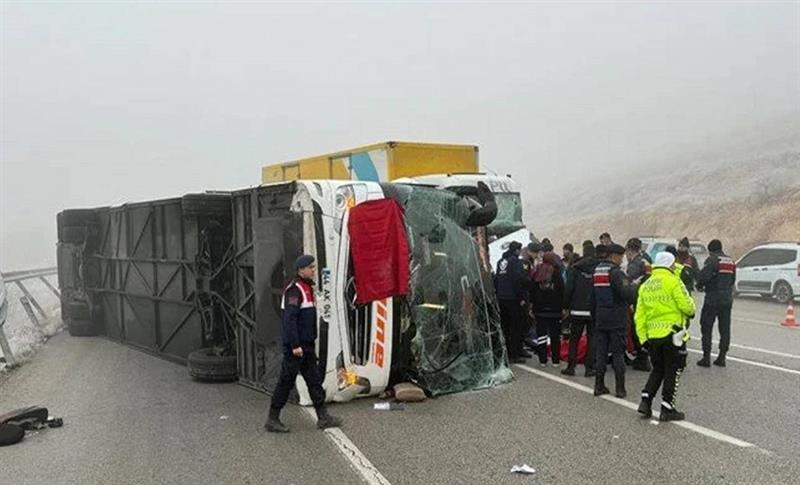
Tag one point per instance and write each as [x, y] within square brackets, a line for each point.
[743, 203]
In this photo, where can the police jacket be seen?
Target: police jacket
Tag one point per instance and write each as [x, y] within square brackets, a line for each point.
[299, 315]
[578, 287]
[663, 303]
[612, 292]
[639, 268]
[510, 279]
[717, 279]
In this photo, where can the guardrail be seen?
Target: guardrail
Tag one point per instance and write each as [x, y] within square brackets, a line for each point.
[28, 302]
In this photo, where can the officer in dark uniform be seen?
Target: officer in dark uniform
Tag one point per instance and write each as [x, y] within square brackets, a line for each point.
[299, 334]
[717, 279]
[639, 269]
[612, 294]
[689, 262]
[512, 288]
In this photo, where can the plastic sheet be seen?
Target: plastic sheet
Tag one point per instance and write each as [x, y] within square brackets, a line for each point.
[456, 338]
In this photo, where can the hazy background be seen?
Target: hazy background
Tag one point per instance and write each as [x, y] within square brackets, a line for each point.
[105, 103]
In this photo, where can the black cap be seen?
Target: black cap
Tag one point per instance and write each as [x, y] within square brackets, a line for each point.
[303, 261]
[715, 246]
[634, 243]
[615, 248]
[535, 247]
[547, 247]
[515, 246]
[601, 250]
[684, 242]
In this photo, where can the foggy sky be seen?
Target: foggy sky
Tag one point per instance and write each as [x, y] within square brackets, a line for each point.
[106, 103]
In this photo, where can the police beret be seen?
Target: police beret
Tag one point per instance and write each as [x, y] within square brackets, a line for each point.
[303, 261]
[615, 248]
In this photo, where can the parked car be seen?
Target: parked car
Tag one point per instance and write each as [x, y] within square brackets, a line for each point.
[699, 251]
[653, 245]
[770, 270]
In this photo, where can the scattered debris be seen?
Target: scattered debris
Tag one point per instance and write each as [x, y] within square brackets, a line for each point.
[523, 469]
[389, 406]
[616, 436]
[223, 417]
[408, 392]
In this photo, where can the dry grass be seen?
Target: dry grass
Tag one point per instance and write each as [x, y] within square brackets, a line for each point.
[739, 224]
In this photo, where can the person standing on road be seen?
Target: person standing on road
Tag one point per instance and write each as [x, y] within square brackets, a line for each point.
[577, 299]
[639, 268]
[299, 332]
[612, 294]
[717, 279]
[689, 262]
[663, 310]
[512, 295]
[547, 303]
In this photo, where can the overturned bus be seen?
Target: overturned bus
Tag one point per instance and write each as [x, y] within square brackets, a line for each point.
[442, 333]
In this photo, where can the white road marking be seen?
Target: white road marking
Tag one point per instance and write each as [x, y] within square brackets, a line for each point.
[754, 349]
[753, 362]
[357, 460]
[622, 402]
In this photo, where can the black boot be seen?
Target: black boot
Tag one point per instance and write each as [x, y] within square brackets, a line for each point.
[600, 386]
[646, 407]
[325, 420]
[670, 414]
[589, 372]
[720, 362]
[274, 424]
[620, 392]
[642, 361]
[569, 370]
[705, 361]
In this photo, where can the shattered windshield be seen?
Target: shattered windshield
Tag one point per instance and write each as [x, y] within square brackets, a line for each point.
[509, 214]
[455, 342]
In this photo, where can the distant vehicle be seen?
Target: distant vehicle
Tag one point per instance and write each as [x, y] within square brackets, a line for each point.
[770, 270]
[699, 251]
[653, 245]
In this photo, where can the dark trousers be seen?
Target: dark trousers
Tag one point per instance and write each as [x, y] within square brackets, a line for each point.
[722, 313]
[613, 341]
[548, 327]
[668, 364]
[514, 321]
[308, 367]
[576, 326]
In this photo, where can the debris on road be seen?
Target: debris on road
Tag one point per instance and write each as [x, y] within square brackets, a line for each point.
[389, 406]
[523, 469]
[408, 392]
[223, 417]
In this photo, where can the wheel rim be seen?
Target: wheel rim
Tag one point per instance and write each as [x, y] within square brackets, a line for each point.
[783, 293]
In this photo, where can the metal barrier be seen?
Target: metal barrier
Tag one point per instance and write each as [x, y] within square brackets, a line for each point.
[28, 302]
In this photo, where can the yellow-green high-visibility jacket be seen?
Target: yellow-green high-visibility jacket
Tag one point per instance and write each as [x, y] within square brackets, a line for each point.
[663, 302]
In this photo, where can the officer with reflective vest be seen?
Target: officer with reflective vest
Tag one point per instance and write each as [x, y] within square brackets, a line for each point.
[299, 333]
[612, 294]
[663, 310]
[639, 268]
[717, 279]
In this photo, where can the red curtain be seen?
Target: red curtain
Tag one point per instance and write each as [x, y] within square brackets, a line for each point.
[379, 249]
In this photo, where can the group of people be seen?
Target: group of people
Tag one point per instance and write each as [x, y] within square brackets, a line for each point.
[644, 310]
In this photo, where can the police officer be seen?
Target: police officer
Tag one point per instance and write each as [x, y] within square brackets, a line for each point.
[612, 294]
[717, 279]
[577, 299]
[512, 295]
[639, 268]
[299, 334]
[663, 309]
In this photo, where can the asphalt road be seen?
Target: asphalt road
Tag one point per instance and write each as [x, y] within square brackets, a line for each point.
[132, 418]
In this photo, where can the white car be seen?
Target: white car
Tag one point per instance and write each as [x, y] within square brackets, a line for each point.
[771, 270]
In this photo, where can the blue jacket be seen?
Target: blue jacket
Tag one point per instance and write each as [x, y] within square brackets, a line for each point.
[612, 292]
[299, 315]
[511, 281]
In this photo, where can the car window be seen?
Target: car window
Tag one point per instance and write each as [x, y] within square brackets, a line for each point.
[756, 257]
[780, 256]
[658, 247]
[697, 249]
